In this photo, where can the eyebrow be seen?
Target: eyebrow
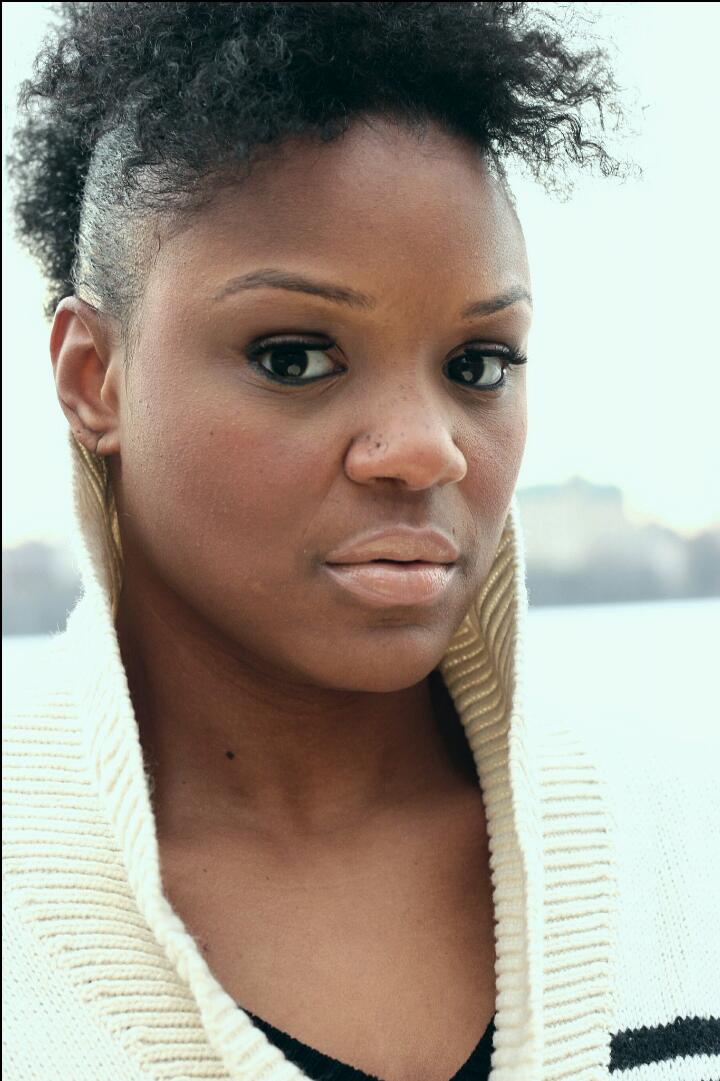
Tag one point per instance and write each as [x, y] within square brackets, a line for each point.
[339, 294]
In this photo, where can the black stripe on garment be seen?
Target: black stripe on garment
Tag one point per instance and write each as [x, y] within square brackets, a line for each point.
[657, 1043]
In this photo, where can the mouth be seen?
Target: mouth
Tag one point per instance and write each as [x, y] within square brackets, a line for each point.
[392, 564]
[388, 582]
[399, 544]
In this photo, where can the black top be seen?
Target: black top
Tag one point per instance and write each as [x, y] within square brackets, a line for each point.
[322, 1067]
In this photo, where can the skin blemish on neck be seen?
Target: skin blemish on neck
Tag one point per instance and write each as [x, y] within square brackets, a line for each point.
[230, 754]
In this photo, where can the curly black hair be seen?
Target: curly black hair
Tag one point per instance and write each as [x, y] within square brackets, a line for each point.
[143, 107]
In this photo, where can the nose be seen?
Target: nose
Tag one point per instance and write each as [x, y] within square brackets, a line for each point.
[411, 444]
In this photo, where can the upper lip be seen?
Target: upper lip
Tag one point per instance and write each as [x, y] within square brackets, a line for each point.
[402, 543]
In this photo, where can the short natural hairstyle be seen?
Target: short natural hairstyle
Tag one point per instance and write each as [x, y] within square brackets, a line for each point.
[147, 107]
[137, 112]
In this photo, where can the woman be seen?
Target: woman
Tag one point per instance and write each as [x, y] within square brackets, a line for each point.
[278, 810]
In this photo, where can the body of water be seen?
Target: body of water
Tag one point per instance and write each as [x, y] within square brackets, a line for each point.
[641, 667]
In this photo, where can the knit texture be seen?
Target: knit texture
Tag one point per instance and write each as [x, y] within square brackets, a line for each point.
[604, 857]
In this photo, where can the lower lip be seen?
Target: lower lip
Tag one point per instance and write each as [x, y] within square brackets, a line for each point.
[385, 584]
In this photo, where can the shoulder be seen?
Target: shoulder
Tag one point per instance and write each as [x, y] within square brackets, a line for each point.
[664, 777]
[659, 796]
[38, 685]
[41, 735]
[48, 1030]
[663, 804]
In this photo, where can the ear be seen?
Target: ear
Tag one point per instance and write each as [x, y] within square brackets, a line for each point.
[86, 366]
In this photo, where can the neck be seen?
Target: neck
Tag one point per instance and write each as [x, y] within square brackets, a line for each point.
[231, 747]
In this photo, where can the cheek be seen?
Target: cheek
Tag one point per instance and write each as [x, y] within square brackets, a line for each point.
[494, 453]
[215, 481]
[495, 450]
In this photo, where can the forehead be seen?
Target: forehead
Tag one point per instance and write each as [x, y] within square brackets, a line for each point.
[378, 200]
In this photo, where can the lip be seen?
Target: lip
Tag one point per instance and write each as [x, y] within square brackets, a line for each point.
[403, 543]
[382, 585]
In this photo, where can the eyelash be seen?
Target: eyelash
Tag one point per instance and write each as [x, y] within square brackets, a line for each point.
[513, 358]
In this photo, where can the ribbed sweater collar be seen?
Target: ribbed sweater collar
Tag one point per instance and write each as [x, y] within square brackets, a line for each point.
[551, 856]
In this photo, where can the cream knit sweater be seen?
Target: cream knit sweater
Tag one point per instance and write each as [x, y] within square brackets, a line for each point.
[605, 861]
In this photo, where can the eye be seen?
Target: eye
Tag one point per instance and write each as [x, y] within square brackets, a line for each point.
[290, 360]
[481, 370]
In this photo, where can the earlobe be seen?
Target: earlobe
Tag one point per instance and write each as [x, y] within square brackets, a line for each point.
[84, 367]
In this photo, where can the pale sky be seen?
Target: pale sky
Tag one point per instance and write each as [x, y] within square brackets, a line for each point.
[624, 372]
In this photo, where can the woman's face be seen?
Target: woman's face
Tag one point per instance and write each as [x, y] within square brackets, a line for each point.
[234, 487]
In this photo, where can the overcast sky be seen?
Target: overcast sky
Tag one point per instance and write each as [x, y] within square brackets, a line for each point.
[624, 373]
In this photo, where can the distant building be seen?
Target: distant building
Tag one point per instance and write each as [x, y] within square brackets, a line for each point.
[566, 525]
[582, 548]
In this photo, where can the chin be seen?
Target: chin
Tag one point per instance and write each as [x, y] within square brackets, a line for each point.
[390, 659]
